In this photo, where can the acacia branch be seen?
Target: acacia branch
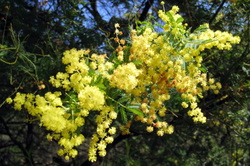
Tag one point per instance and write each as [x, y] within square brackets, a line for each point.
[189, 12]
[17, 143]
[98, 18]
[217, 12]
[144, 13]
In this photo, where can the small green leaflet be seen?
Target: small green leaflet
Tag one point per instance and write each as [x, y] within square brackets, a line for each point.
[203, 69]
[170, 16]
[137, 62]
[114, 93]
[123, 115]
[179, 20]
[200, 29]
[134, 105]
[123, 99]
[135, 111]
[101, 86]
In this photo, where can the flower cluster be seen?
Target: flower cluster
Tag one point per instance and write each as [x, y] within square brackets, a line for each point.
[125, 77]
[171, 64]
[54, 117]
[64, 118]
[157, 68]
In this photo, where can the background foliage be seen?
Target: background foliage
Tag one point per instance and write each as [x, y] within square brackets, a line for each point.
[33, 35]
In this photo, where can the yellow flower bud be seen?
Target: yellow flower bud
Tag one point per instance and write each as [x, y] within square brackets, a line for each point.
[150, 129]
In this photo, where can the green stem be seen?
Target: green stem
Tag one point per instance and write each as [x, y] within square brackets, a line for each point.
[5, 24]
[117, 102]
[36, 76]
[9, 63]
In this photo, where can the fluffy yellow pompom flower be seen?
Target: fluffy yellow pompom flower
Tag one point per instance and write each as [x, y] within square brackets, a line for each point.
[91, 98]
[109, 140]
[160, 132]
[9, 100]
[19, 100]
[125, 77]
[184, 104]
[150, 129]
[113, 115]
[55, 115]
[112, 130]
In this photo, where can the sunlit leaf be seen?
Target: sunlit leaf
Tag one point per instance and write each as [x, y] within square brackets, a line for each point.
[135, 111]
